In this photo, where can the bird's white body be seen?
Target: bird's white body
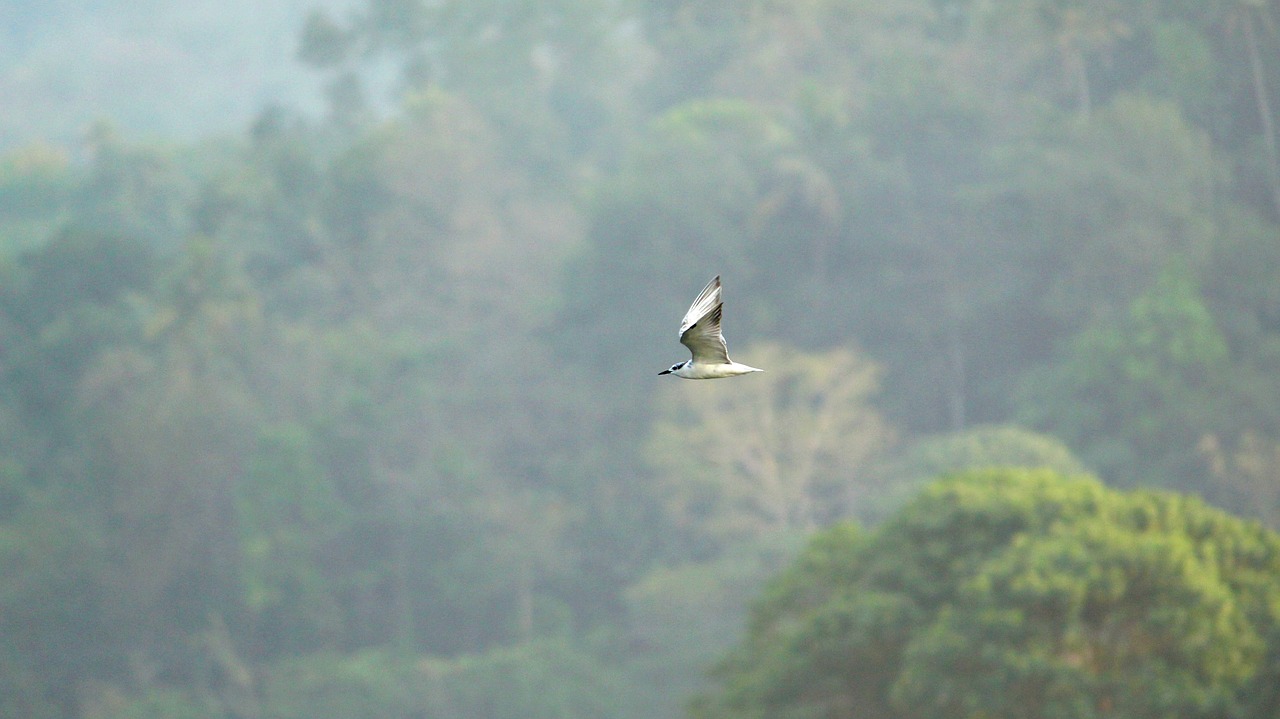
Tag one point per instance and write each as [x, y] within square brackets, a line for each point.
[693, 370]
[700, 332]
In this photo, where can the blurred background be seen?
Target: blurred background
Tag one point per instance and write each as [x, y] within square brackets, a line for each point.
[329, 332]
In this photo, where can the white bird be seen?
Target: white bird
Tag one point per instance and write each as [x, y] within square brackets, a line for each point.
[700, 332]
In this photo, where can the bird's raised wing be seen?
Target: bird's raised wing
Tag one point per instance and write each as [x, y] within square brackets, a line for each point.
[700, 329]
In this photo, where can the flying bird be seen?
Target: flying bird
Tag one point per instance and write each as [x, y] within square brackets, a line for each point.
[700, 332]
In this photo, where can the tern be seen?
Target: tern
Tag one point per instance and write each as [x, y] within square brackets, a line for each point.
[700, 332]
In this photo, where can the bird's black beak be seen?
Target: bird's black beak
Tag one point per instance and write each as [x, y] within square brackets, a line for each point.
[665, 371]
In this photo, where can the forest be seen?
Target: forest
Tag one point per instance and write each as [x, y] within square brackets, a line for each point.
[353, 411]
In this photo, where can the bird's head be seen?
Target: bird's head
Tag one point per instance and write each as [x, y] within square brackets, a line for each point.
[673, 368]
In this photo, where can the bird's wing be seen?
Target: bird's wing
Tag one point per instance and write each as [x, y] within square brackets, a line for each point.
[700, 329]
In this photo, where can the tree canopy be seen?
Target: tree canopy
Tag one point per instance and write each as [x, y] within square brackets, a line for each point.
[1016, 593]
[354, 408]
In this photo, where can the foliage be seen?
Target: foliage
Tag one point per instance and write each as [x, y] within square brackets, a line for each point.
[35, 184]
[290, 515]
[540, 680]
[62, 305]
[1093, 183]
[158, 704]
[909, 468]
[546, 679]
[1165, 352]
[333, 686]
[786, 453]
[1245, 474]
[1010, 593]
[361, 407]
[51, 589]
[680, 617]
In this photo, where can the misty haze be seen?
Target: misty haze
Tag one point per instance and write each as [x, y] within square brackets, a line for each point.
[330, 334]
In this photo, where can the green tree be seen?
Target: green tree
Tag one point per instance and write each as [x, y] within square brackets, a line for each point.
[335, 686]
[52, 563]
[434, 264]
[1135, 394]
[155, 704]
[551, 76]
[907, 469]
[36, 183]
[61, 305]
[680, 617]
[1016, 593]
[547, 679]
[1110, 203]
[1247, 475]
[164, 423]
[1245, 17]
[543, 679]
[266, 202]
[786, 454]
[290, 515]
[135, 190]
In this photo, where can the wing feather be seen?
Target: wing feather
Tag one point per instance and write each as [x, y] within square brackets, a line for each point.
[707, 300]
[700, 329]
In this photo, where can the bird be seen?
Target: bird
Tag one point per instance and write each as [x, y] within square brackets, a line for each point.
[700, 332]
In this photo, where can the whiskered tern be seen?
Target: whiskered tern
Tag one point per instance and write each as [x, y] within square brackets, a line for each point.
[700, 332]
